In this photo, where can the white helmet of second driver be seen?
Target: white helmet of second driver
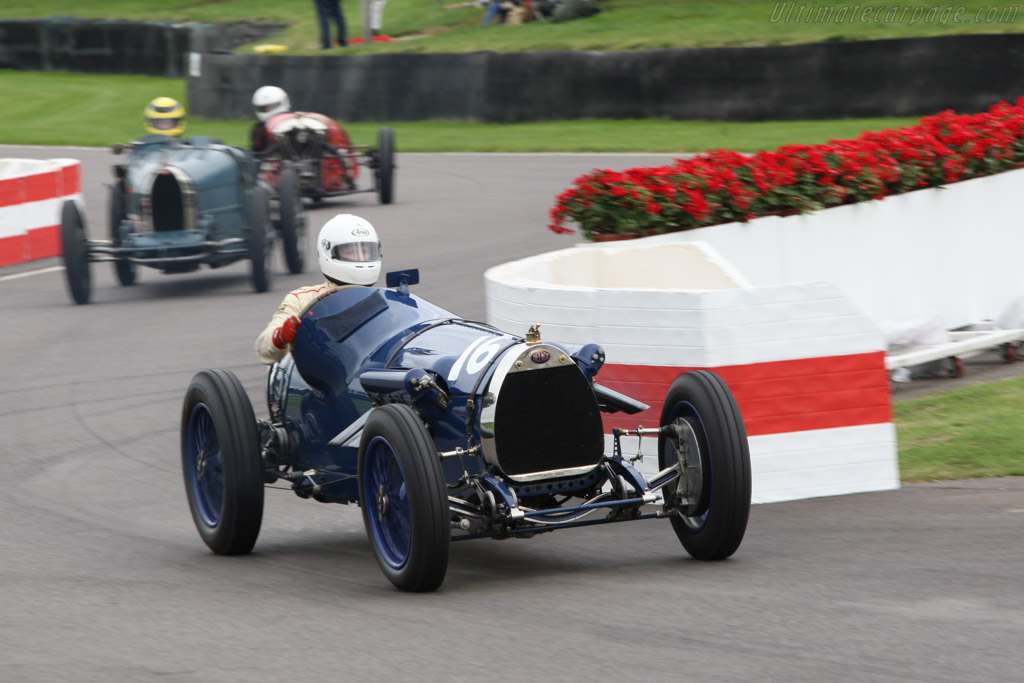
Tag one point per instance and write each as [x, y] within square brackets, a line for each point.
[269, 100]
[348, 250]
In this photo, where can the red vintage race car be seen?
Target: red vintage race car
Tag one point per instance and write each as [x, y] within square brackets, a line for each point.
[324, 158]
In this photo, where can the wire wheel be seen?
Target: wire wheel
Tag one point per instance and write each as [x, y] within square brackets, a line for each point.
[123, 268]
[403, 497]
[221, 464]
[713, 443]
[75, 252]
[387, 498]
[385, 172]
[293, 221]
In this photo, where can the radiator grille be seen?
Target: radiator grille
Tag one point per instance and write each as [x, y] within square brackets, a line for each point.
[547, 419]
[168, 204]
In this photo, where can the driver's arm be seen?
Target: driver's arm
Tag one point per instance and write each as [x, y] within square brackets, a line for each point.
[295, 303]
[258, 138]
[266, 350]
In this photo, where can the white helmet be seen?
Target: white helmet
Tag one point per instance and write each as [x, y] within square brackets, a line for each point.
[269, 100]
[348, 250]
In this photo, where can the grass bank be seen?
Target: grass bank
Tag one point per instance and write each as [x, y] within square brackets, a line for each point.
[449, 26]
[55, 108]
[968, 432]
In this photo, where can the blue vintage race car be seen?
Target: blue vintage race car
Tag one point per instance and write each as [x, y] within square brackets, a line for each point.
[445, 429]
[178, 204]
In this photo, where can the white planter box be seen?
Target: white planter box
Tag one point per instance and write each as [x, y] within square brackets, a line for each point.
[953, 251]
[805, 363]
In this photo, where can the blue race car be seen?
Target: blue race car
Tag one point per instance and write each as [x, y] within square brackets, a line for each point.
[178, 204]
[443, 429]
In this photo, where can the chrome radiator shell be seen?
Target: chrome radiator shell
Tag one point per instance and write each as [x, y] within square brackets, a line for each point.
[540, 418]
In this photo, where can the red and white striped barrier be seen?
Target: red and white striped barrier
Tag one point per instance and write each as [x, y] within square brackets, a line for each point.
[31, 195]
[806, 365]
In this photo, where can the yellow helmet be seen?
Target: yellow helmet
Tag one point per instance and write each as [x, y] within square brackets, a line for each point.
[165, 116]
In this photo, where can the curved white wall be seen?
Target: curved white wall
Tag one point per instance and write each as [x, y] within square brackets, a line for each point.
[953, 251]
[805, 363]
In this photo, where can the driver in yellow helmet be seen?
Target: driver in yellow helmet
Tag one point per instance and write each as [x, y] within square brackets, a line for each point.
[165, 116]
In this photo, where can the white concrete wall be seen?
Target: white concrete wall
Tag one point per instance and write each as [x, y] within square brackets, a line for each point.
[805, 363]
[953, 251]
[805, 464]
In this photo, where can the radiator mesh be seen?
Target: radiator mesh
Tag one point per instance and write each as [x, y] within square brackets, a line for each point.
[547, 419]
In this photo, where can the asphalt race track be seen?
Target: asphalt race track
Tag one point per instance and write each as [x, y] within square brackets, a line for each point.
[104, 577]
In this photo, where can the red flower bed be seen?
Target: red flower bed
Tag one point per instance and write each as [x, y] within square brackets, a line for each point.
[721, 186]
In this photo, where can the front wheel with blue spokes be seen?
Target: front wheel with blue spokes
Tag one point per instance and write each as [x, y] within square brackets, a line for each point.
[403, 497]
[711, 504]
[220, 460]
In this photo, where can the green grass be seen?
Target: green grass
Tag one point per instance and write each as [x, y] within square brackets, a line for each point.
[964, 433]
[426, 26]
[56, 108]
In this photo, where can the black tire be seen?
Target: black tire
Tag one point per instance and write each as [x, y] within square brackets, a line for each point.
[75, 251]
[293, 220]
[220, 460]
[385, 172]
[715, 522]
[261, 240]
[124, 269]
[404, 500]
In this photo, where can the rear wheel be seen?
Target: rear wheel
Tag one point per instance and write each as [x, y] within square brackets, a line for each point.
[76, 253]
[293, 220]
[260, 239]
[954, 367]
[220, 459]
[711, 504]
[403, 497]
[385, 172]
[124, 269]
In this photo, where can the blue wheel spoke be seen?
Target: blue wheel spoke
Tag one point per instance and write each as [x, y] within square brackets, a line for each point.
[206, 465]
[402, 523]
[392, 531]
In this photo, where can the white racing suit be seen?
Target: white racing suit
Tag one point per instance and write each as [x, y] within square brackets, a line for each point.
[296, 303]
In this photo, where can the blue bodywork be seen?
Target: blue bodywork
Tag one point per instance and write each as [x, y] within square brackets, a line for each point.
[320, 394]
[444, 429]
[362, 347]
[186, 202]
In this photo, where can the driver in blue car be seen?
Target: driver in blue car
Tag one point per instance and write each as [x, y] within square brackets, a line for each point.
[165, 116]
[349, 254]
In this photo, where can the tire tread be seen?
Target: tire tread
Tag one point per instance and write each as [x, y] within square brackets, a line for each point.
[234, 422]
[731, 477]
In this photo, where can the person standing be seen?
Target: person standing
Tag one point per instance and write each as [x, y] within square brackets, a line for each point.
[327, 11]
[376, 15]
